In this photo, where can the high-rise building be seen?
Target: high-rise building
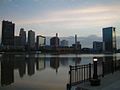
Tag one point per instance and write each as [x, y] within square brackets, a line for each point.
[109, 40]
[54, 41]
[64, 43]
[22, 34]
[31, 39]
[40, 41]
[7, 33]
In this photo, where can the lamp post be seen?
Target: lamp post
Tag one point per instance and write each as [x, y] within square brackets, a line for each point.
[95, 81]
[95, 76]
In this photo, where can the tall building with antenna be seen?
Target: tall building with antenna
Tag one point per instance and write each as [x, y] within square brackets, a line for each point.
[54, 41]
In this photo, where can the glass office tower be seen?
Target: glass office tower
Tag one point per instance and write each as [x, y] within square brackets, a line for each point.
[109, 40]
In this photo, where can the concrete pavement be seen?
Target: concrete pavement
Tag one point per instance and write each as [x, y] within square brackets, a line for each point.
[108, 82]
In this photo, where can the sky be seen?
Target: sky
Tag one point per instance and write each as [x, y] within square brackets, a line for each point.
[65, 17]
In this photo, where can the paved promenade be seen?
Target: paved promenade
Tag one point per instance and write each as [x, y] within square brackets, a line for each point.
[108, 82]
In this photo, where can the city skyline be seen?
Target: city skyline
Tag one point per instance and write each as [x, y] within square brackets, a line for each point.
[47, 17]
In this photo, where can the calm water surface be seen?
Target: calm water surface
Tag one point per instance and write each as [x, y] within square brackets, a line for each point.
[39, 71]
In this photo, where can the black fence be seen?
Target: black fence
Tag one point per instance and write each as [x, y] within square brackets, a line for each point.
[81, 73]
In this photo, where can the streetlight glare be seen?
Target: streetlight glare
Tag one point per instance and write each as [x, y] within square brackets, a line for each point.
[95, 59]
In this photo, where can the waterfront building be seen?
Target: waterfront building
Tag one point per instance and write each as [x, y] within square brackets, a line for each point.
[40, 41]
[97, 46]
[109, 40]
[7, 34]
[54, 41]
[64, 43]
[77, 46]
[17, 40]
[31, 39]
[22, 34]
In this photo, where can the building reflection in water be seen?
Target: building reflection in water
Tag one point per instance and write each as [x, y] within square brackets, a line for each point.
[109, 64]
[40, 63]
[64, 61]
[11, 62]
[54, 63]
[7, 70]
[31, 64]
[20, 64]
[77, 60]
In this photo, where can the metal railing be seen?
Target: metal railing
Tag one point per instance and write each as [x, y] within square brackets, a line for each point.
[81, 73]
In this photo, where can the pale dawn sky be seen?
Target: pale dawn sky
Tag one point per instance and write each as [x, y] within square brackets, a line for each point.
[67, 17]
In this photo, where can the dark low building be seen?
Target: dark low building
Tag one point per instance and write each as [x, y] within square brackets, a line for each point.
[40, 42]
[97, 46]
[54, 41]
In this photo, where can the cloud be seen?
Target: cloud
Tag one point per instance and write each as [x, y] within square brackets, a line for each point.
[90, 15]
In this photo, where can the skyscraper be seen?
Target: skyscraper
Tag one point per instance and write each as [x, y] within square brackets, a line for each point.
[31, 39]
[22, 34]
[7, 33]
[109, 40]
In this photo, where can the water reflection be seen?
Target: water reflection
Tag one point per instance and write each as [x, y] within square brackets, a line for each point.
[28, 64]
[54, 63]
[7, 70]
[40, 63]
[41, 67]
[31, 65]
[109, 64]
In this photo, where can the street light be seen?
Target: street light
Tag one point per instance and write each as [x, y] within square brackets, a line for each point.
[95, 81]
[95, 59]
[95, 76]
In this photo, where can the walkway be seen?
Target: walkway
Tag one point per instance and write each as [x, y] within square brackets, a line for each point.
[109, 82]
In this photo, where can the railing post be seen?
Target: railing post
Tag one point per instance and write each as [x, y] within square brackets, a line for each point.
[89, 71]
[69, 86]
[102, 69]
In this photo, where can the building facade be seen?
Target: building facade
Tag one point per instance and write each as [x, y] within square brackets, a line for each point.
[64, 43]
[109, 40]
[31, 39]
[40, 41]
[17, 41]
[54, 41]
[97, 46]
[22, 34]
[7, 33]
